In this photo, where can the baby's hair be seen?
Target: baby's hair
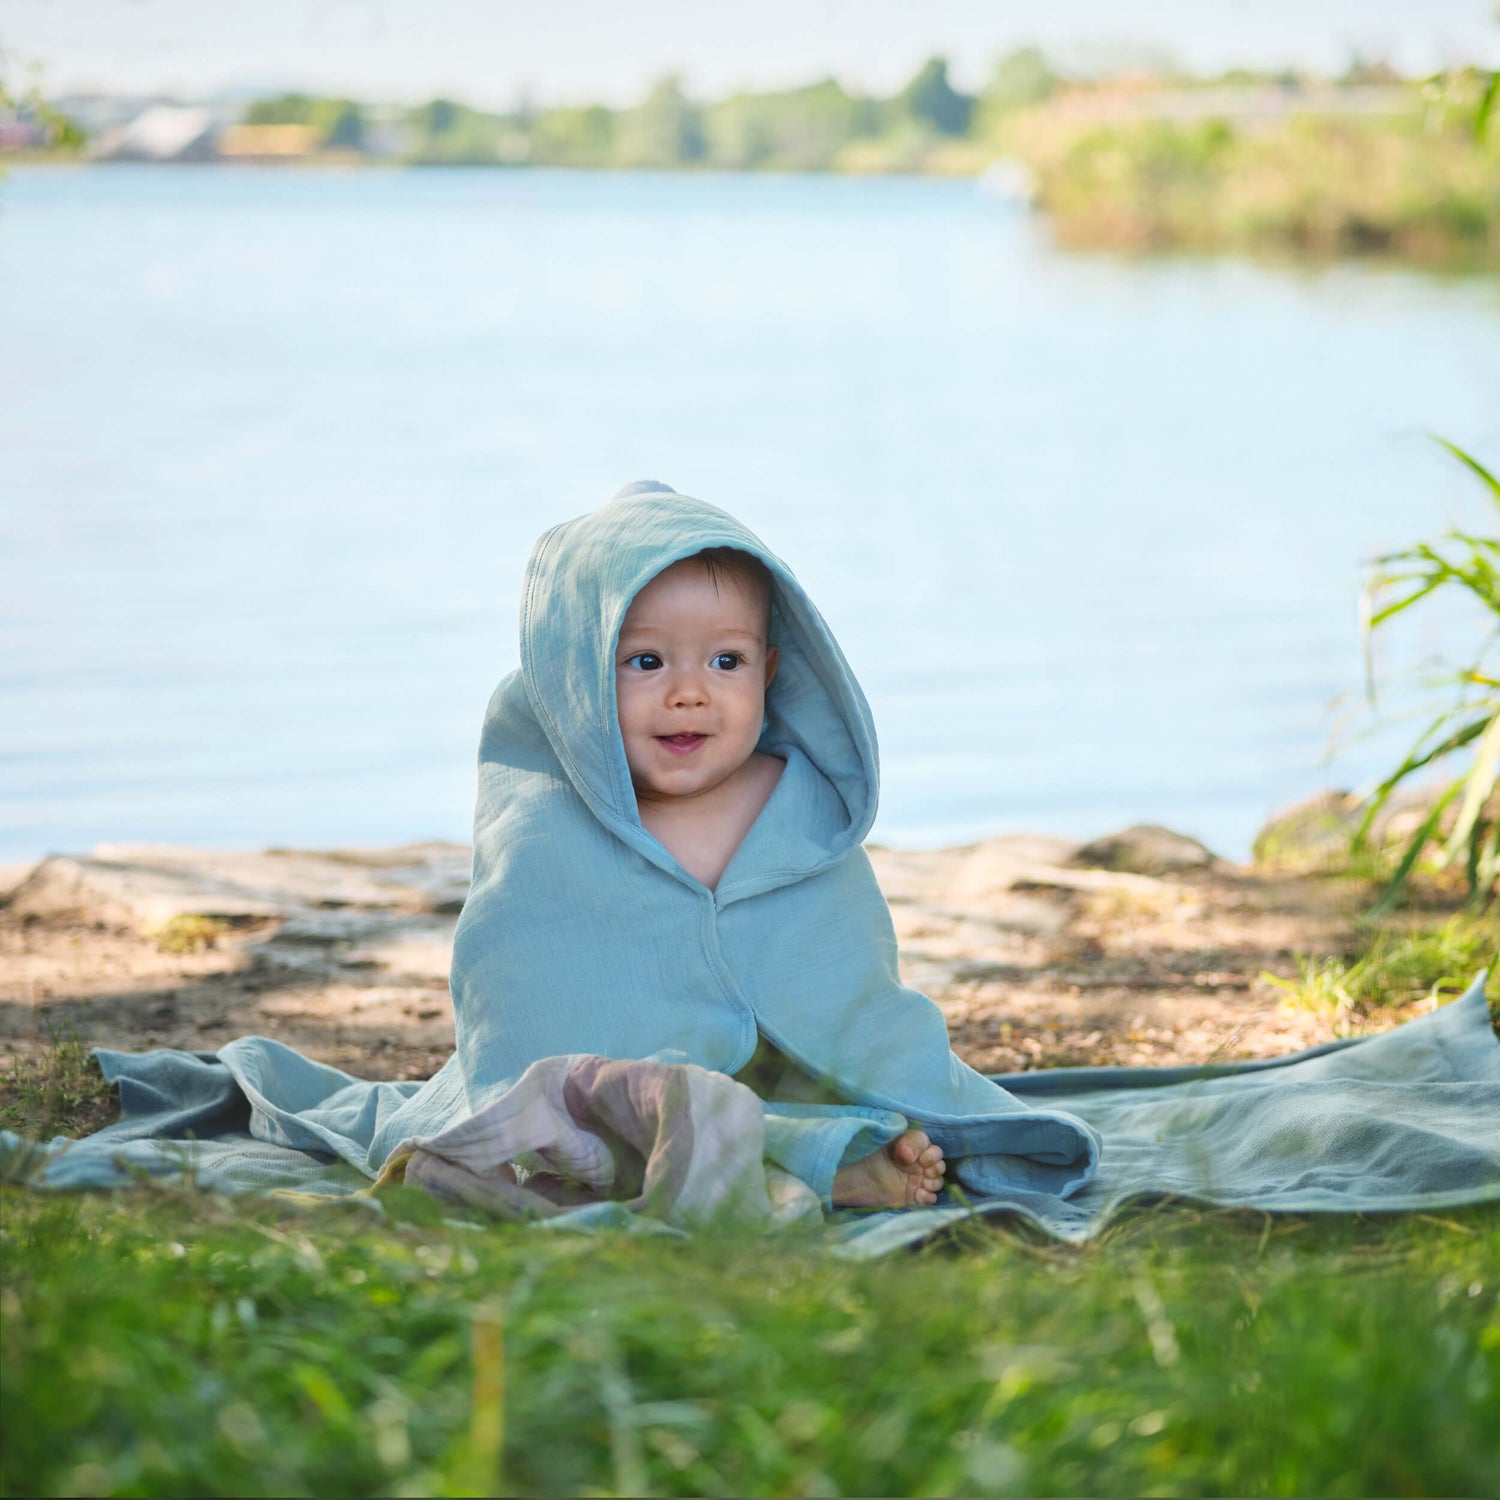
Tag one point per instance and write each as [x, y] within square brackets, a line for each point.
[743, 567]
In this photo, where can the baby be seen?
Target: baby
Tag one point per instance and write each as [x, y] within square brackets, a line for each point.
[692, 667]
[669, 866]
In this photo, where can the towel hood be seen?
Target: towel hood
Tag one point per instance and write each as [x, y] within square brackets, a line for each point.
[579, 583]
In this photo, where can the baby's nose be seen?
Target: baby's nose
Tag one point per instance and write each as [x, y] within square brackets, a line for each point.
[687, 688]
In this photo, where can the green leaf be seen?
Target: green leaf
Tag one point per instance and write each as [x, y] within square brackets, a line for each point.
[1486, 107]
[1418, 758]
[1478, 784]
[1491, 483]
[1381, 616]
[1484, 869]
[1389, 896]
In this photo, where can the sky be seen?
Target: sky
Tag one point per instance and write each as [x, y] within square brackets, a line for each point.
[494, 52]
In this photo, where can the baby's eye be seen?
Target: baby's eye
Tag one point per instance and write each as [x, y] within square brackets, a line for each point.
[728, 660]
[647, 661]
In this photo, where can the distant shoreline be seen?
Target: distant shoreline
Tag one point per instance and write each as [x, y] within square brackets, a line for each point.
[1140, 188]
[353, 162]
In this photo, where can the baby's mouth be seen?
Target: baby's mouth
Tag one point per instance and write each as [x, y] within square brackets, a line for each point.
[682, 744]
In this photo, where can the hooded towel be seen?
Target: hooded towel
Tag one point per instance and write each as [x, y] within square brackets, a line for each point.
[582, 933]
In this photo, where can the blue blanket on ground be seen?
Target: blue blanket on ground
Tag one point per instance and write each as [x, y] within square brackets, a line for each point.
[1409, 1119]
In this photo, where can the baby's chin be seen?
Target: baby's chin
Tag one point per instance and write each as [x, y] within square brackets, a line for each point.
[682, 786]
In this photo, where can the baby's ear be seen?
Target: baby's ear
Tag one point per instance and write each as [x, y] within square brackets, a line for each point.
[773, 660]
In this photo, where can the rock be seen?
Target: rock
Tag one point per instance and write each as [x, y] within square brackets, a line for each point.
[136, 895]
[1309, 837]
[984, 871]
[1314, 836]
[419, 950]
[145, 886]
[975, 882]
[1408, 808]
[13, 877]
[437, 874]
[971, 913]
[1147, 849]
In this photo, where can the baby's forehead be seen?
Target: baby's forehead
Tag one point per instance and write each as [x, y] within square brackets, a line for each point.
[692, 586]
[685, 567]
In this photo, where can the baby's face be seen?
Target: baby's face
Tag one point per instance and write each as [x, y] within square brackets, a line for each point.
[691, 671]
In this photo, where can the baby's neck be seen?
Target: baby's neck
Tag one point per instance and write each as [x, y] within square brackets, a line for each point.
[703, 833]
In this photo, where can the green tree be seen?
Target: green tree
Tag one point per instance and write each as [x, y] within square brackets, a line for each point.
[437, 117]
[799, 129]
[284, 109]
[664, 130]
[573, 137]
[27, 101]
[445, 133]
[929, 99]
[339, 123]
[1020, 80]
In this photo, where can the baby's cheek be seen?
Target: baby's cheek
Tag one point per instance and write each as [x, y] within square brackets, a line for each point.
[626, 710]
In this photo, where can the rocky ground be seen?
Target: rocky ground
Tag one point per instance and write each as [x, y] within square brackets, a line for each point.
[1140, 948]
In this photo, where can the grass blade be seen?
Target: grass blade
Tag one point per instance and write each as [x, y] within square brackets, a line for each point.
[1490, 482]
[1478, 784]
[1486, 107]
[1415, 760]
[1392, 892]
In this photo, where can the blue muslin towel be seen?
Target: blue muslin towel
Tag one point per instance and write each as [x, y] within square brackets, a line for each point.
[1409, 1119]
[583, 935]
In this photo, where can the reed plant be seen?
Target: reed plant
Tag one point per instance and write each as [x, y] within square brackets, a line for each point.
[1466, 722]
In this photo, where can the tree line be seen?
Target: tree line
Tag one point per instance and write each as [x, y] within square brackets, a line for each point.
[805, 128]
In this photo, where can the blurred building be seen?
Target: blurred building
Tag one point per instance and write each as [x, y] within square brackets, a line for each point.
[97, 113]
[18, 132]
[268, 142]
[387, 131]
[164, 132]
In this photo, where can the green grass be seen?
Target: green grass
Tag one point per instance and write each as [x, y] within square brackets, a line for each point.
[1392, 967]
[61, 1092]
[189, 933]
[162, 1342]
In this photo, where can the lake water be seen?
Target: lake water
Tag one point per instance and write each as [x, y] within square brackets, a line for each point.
[275, 445]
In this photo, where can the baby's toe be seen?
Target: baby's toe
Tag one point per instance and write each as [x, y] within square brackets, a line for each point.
[911, 1146]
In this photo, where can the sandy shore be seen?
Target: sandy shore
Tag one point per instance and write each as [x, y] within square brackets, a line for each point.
[1037, 953]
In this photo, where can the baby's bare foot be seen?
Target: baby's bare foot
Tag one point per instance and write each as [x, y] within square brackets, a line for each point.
[906, 1173]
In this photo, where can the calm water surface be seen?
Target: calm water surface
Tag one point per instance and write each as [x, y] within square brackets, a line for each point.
[274, 447]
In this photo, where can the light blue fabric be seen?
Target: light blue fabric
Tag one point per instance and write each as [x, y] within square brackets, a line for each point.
[582, 934]
[190, 1114]
[1409, 1119]
[1406, 1120]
